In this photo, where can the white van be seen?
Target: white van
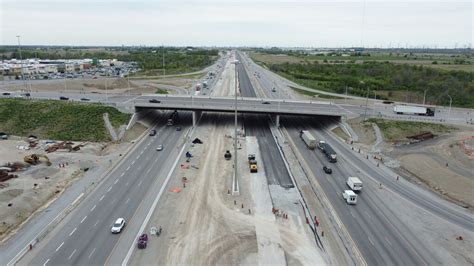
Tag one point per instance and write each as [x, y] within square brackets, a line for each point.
[349, 196]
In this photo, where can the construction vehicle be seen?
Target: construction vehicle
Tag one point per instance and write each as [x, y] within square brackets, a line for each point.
[308, 139]
[349, 196]
[252, 163]
[34, 159]
[65, 145]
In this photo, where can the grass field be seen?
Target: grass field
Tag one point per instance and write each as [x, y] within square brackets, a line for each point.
[58, 120]
[397, 131]
[161, 91]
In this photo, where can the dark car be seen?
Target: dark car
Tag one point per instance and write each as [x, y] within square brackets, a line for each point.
[64, 98]
[27, 94]
[178, 128]
[6, 93]
[266, 103]
[152, 132]
[85, 99]
[154, 101]
[327, 170]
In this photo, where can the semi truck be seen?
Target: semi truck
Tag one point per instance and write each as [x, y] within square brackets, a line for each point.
[173, 118]
[413, 110]
[308, 139]
[328, 151]
[349, 196]
[354, 183]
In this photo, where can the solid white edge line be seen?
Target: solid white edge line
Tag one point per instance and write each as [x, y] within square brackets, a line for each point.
[44, 264]
[155, 202]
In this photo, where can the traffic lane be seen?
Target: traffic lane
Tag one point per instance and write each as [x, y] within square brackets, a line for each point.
[364, 236]
[87, 205]
[419, 196]
[365, 225]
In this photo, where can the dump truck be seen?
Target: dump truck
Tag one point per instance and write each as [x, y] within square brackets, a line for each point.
[413, 110]
[354, 183]
[349, 196]
[252, 163]
[308, 139]
[328, 151]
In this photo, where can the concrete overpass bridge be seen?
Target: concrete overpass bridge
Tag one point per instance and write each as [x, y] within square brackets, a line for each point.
[198, 104]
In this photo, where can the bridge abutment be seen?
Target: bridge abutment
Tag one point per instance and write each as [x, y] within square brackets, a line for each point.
[196, 116]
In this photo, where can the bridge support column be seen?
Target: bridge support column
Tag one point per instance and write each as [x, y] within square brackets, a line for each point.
[277, 121]
[196, 116]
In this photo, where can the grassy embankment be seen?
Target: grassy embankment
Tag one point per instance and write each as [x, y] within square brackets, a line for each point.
[58, 120]
[386, 80]
[397, 131]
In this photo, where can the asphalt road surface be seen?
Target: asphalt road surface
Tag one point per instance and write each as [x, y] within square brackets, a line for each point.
[86, 238]
[258, 125]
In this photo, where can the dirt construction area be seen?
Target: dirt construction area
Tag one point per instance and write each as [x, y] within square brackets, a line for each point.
[443, 164]
[38, 185]
[203, 224]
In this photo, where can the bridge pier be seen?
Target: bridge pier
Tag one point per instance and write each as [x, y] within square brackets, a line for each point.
[277, 121]
[196, 116]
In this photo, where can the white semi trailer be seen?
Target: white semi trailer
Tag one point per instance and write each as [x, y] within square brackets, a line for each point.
[308, 139]
[413, 110]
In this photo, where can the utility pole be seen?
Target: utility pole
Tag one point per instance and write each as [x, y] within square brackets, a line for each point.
[424, 96]
[164, 69]
[449, 112]
[106, 95]
[235, 129]
[21, 62]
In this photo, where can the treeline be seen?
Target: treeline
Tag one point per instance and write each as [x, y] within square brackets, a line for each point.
[378, 76]
[176, 59]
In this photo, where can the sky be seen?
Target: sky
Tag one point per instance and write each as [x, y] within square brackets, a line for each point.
[263, 23]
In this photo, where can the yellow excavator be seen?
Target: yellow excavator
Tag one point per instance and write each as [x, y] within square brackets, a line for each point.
[34, 159]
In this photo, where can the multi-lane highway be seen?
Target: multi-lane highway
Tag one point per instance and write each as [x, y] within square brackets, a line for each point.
[86, 238]
[379, 234]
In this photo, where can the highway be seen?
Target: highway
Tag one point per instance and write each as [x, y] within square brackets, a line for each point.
[258, 126]
[377, 231]
[86, 237]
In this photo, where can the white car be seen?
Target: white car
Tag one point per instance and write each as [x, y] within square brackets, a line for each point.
[118, 226]
[159, 147]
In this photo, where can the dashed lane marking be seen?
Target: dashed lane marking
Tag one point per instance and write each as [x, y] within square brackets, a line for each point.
[93, 208]
[101, 198]
[83, 219]
[90, 255]
[59, 246]
[72, 254]
[46, 262]
[73, 230]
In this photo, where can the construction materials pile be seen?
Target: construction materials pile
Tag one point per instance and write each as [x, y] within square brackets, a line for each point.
[4, 176]
[64, 146]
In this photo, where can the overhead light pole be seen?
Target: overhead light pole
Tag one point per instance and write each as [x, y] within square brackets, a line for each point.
[21, 62]
[236, 183]
[449, 112]
[424, 96]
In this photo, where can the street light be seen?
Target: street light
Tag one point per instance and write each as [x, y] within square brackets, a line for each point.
[21, 63]
[366, 101]
[424, 96]
[235, 185]
[450, 101]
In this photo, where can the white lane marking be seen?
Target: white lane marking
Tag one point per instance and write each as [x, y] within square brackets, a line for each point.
[368, 215]
[370, 240]
[122, 174]
[44, 264]
[127, 183]
[72, 254]
[93, 208]
[352, 214]
[90, 255]
[133, 162]
[101, 198]
[147, 171]
[96, 223]
[72, 232]
[110, 188]
[138, 157]
[142, 152]
[127, 200]
[140, 182]
[83, 219]
[388, 241]
[128, 168]
[115, 182]
[59, 246]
